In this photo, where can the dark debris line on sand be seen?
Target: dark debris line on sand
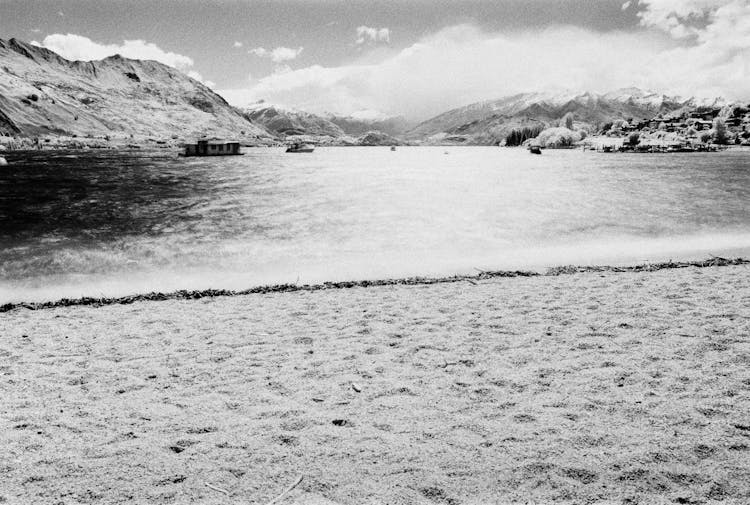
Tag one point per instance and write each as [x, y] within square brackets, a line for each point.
[714, 261]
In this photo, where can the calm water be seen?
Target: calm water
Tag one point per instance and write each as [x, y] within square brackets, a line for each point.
[74, 224]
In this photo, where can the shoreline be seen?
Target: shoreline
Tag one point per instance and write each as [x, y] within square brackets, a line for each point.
[714, 261]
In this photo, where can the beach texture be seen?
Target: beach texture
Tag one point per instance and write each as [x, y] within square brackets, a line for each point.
[594, 387]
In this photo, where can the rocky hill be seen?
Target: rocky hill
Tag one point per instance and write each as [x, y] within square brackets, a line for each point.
[42, 93]
[490, 121]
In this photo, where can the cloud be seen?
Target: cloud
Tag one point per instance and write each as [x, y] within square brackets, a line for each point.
[78, 47]
[681, 18]
[237, 43]
[278, 55]
[684, 47]
[368, 34]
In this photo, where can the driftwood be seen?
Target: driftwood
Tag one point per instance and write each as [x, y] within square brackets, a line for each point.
[713, 261]
[286, 491]
[211, 486]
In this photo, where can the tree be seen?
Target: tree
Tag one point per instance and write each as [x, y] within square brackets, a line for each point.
[720, 132]
[567, 121]
[518, 136]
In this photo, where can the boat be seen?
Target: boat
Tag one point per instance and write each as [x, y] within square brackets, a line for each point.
[213, 148]
[534, 149]
[299, 147]
[393, 148]
[3, 161]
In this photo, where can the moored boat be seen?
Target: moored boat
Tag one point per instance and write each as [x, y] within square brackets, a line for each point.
[535, 149]
[299, 147]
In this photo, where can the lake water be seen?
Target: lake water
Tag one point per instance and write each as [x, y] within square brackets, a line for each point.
[104, 223]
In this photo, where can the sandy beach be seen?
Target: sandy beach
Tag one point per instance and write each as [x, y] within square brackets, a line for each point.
[606, 387]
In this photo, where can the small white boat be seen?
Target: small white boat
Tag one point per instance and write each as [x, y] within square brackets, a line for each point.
[3, 161]
[298, 147]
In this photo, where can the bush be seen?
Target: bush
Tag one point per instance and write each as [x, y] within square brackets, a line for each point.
[559, 137]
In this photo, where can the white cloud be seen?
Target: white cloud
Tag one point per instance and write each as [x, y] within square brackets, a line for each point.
[369, 34]
[278, 55]
[237, 43]
[685, 47]
[457, 66]
[680, 18]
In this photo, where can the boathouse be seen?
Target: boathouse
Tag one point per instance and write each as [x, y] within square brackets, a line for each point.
[212, 148]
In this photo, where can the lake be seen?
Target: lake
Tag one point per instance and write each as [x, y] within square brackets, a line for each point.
[91, 223]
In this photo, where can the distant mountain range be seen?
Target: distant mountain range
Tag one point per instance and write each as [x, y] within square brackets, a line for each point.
[43, 93]
[488, 122]
[285, 121]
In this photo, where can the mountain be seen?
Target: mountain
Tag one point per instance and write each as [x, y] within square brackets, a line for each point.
[360, 124]
[490, 121]
[42, 93]
[287, 122]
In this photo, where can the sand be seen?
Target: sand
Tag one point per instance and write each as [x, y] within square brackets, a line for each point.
[586, 388]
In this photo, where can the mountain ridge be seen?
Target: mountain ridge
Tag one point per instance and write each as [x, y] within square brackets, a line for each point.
[42, 93]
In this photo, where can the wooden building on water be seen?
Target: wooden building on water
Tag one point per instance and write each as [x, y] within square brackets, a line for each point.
[213, 148]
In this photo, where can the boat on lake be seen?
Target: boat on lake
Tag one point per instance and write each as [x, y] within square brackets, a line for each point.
[299, 147]
[535, 149]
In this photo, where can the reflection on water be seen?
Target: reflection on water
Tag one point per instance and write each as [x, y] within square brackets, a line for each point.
[74, 224]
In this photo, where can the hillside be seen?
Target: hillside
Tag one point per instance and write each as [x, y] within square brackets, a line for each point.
[42, 93]
[489, 121]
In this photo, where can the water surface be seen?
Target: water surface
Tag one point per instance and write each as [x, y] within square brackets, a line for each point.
[105, 223]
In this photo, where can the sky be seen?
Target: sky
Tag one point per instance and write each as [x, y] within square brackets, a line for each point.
[414, 58]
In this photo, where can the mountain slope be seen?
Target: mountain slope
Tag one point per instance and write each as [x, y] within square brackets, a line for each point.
[43, 93]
